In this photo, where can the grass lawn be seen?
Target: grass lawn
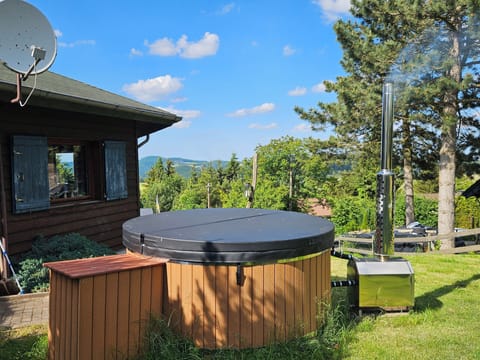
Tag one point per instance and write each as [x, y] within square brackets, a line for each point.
[28, 343]
[445, 323]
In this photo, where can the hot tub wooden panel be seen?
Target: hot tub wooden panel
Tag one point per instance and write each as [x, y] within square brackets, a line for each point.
[274, 303]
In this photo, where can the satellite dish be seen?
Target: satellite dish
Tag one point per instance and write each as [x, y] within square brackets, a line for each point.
[27, 42]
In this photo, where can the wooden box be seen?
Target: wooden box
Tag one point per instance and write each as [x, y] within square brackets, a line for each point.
[99, 306]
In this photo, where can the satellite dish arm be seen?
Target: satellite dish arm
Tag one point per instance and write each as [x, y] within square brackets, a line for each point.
[19, 90]
[38, 55]
[30, 69]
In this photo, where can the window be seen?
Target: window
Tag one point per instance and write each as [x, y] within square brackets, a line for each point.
[49, 171]
[67, 171]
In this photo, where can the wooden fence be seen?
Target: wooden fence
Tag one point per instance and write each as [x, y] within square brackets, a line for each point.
[426, 242]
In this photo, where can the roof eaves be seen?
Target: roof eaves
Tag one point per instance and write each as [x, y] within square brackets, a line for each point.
[78, 96]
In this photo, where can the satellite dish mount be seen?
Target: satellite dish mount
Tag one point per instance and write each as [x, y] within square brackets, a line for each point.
[38, 54]
[27, 42]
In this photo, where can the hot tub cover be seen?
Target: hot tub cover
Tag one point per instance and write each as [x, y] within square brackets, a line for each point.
[231, 235]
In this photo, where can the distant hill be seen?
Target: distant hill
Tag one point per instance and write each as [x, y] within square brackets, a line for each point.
[182, 166]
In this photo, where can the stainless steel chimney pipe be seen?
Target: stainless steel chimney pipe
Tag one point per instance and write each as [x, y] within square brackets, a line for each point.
[383, 244]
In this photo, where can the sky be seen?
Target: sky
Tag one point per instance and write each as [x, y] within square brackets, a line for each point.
[234, 71]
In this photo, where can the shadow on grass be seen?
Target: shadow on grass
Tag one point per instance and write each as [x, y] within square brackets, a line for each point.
[431, 299]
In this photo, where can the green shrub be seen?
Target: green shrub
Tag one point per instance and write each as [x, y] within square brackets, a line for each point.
[467, 212]
[426, 211]
[352, 213]
[34, 277]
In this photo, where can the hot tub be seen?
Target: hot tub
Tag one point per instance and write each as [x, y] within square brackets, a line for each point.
[239, 278]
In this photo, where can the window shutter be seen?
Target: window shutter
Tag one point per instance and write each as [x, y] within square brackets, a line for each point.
[115, 170]
[30, 174]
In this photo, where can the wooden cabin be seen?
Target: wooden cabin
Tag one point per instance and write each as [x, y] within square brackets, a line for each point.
[69, 159]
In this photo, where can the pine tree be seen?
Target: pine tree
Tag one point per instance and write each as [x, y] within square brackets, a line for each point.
[436, 107]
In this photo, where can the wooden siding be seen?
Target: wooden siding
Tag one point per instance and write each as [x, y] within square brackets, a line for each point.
[275, 302]
[98, 220]
[99, 307]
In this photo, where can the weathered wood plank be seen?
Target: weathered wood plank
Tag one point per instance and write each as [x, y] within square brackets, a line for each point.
[234, 313]
[209, 324]
[198, 302]
[221, 307]
[186, 294]
[279, 303]
[85, 305]
[123, 318]
[246, 309]
[134, 312]
[258, 319]
[268, 303]
[98, 323]
[111, 315]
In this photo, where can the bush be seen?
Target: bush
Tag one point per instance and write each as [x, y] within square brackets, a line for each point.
[426, 211]
[352, 213]
[34, 277]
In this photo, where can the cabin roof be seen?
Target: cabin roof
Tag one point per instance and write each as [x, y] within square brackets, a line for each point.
[59, 92]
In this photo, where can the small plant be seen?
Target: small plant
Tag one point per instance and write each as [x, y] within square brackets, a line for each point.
[332, 336]
[34, 277]
[39, 349]
[160, 342]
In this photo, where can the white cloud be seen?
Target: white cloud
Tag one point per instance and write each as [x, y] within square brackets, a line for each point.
[153, 89]
[185, 114]
[179, 100]
[59, 34]
[264, 108]
[76, 43]
[288, 50]
[184, 124]
[298, 91]
[226, 9]
[135, 52]
[333, 9]
[206, 46]
[162, 47]
[302, 128]
[263, 127]
[318, 88]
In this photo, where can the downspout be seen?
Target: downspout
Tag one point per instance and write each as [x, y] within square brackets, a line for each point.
[139, 145]
[147, 138]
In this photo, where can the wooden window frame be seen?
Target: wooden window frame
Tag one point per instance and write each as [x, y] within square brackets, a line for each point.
[104, 161]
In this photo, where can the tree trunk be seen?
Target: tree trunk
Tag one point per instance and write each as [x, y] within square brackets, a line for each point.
[446, 176]
[407, 173]
[446, 187]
